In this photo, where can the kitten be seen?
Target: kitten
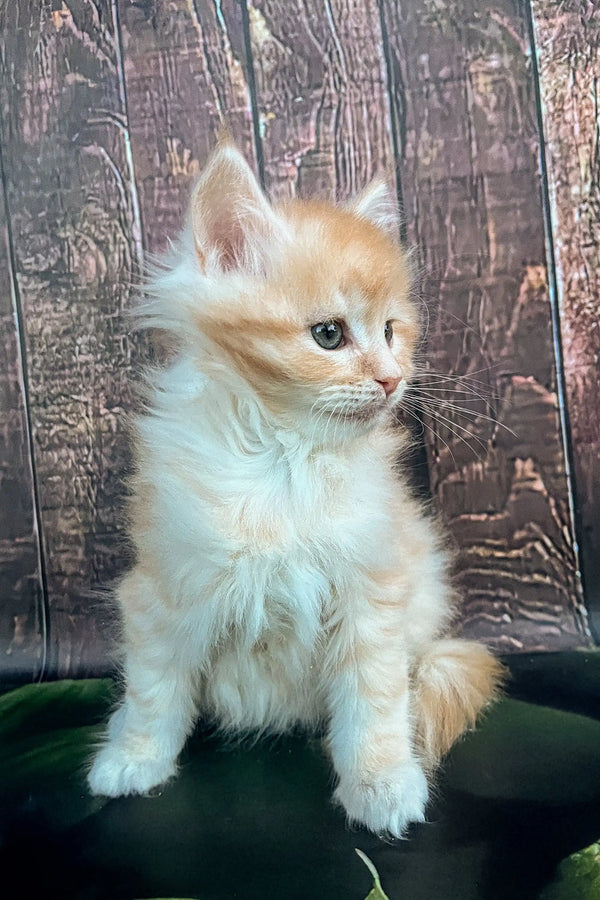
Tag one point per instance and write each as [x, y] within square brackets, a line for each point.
[284, 572]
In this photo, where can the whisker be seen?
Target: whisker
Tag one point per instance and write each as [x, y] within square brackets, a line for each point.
[322, 412]
[431, 387]
[444, 403]
[452, 428]
[463, 381]
[472, 413]
[463, 375]
[473, 386]
[446, 312]
[415, 414]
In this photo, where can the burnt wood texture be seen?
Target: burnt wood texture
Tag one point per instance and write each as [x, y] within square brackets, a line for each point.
[72, 203]
[184, 83]
[22, 612]
[109, 109]
[468, 146]
[568, 52]
[320, 80]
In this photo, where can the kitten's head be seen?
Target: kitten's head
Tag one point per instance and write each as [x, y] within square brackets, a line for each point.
[307, 303]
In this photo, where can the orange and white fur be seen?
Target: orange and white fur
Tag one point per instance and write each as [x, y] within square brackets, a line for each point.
[284, 574]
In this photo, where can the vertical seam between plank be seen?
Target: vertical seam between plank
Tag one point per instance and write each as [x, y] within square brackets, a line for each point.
[394, 124]
[423, 480]
[44, 606]
[580, 610]
[253, 94]
[138, 231]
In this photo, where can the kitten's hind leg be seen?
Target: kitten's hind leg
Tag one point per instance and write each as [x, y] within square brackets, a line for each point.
[381, 783]
[147, 731]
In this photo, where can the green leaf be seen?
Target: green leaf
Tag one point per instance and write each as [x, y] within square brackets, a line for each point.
[578, 877]
[377, 892]
[47, 734]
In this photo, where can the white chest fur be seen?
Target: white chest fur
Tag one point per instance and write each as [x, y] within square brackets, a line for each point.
[257, 528]
[305, 526]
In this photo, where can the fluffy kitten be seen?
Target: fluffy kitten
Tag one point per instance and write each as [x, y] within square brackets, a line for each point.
[284, 573]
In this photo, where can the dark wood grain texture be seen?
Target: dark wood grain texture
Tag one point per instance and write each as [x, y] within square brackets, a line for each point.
[184, 82]
[22, 611]
[464, 109]
[321, 95]
[77, 242]
[109, 109]
[568, 50]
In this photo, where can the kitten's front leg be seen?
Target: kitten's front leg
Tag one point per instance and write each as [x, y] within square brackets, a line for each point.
[381, 783]
[146, 733]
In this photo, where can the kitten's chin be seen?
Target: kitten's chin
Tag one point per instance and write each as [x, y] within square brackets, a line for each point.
[363, 416]
[340, 427]
[333, 427]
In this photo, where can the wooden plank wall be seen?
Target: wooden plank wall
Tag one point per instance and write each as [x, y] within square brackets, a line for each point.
[108, 111]
[22, 610]
[72, 203]
[568, 45]
[468, 146]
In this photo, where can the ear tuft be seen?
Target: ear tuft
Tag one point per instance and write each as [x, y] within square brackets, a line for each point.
[231, 219]
[378, 204]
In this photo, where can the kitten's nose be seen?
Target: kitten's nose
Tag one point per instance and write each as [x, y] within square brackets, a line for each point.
[389, 384]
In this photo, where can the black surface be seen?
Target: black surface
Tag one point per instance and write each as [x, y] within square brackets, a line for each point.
[253, 822]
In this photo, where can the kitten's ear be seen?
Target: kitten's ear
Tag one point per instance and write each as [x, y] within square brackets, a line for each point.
[231, 218]
[378, 204]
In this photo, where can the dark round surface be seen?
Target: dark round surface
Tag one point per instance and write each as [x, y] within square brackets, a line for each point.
[253, 822]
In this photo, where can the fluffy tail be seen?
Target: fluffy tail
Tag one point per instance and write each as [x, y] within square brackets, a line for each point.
[453, 682]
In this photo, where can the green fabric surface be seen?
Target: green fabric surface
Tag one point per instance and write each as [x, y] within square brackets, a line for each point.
[514, 798]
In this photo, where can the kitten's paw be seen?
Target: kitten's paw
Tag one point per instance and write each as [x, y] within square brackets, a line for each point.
[386, 803]
[117, 770]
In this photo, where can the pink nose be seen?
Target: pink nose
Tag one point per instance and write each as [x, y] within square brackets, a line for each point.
[389, 384]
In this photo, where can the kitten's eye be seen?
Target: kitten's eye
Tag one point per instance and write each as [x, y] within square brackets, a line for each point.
[388, 332]
[328, 335]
